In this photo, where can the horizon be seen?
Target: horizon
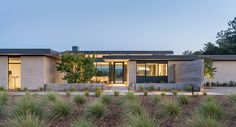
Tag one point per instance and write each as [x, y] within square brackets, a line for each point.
[113, 25]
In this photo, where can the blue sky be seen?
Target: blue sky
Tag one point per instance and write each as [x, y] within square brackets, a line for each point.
[113, 24]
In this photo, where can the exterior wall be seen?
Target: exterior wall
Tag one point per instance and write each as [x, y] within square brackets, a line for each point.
[131, 72]
[32, 74]
[4, 72]
[49, 70]
[225, 71]
[187, 72]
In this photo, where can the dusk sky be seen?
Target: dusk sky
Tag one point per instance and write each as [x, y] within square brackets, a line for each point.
[113, 24]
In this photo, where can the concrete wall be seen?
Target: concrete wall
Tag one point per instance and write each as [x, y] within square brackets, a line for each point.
[32, 72]
[49, 70]
[131, 72]
[225, 71]
[191, 72]
[4, 72]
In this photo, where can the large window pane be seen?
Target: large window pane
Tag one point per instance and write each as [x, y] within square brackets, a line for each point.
[14, 72]
[162, 69]
[140, 69]
[102, 73]
[152, 69]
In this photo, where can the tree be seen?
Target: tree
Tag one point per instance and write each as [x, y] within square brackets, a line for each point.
[77, 67]
[209, 70]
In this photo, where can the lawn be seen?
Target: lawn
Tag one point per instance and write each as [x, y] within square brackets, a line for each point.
[53, 110]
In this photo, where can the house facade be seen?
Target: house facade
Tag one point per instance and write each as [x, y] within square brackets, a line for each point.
[32, 68]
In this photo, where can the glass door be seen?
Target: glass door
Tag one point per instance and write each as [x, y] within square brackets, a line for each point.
[14, 73]
[119, 72]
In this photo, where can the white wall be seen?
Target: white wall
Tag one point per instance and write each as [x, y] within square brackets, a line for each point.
[225, 71]
[131, 72]
[4, 71]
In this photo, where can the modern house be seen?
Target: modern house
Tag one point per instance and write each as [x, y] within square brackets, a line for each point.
[32, 68]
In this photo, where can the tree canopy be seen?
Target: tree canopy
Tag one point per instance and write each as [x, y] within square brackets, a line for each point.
[77, 68]
[224, 45]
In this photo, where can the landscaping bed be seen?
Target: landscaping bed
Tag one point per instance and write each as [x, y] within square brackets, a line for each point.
[115, 111]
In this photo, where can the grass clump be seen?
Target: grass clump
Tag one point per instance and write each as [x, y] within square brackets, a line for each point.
[116, 93]
[95, 110]
[86, 93]
[210, 108]
[106, 99]
[28, 120]
[98, 92]
[163, 94]
[130, 96]
[232, 98]
[156, 99]
[183, 100]
[51, 96]
[133, 107]
[60, 109]
[28, 104]
[174, 92]
[143, 120]
[169, 109]
[79, 99]
[82, 123]
[3, 98]
[199, 120]
[145, 93]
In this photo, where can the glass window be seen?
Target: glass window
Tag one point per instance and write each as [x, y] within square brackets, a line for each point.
[152, 69]
[140, 69]
[14, 73]
[162, 69]
[102, 74]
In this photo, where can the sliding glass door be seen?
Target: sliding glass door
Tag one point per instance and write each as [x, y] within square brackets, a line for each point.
[119, 73]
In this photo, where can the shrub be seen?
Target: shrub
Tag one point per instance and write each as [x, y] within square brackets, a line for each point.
[143, 120]
[51, 96]
[141, 88]
[2, 88]
[163, 94]
[28, 104]
[210, 108]
[174, 92]
[25, 89]
[95, 110]
[199, 120]
[145, 93]
[86, 93]
[116, 93]
[59, 109]
[204, 93]
[156, 99]
[169, 109]
[27, 120]
[40, 88]
[68, 94]
[3, 98]
[133, 107]
[97, 93]
[78, 99]
[188, 88]
[82, 123]
[130, 96]
[232, 98]
[150, 88]
[106, 99]
[183, 100]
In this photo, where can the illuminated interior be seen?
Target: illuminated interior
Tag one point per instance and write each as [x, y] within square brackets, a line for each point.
[151, 69]
[14, 73]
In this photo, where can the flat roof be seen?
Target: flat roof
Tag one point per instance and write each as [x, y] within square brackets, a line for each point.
[124, 52]
[29, 52]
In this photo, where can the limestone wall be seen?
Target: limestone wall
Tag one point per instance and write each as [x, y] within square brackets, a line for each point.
[4, 72]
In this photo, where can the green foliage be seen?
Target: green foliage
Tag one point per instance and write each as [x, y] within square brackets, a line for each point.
[77, 67]
[209, 70]
[98, 92]
[183, 100]
[156, 98]
[78, 99]
[143, 120]
[27, 120]
[2, 88]
[82, 123]
[3, 98]
[210, 108]
[51, 96]
[106, 99]
[169, 109]
[133, 107]
[145, 92]
[116, 93]
[86, 93]
[232, 98]
[163, 94]
[174, 92]
[68, 94]
[28, 104]
[141, 88]
[59, 109]
[199, 120]
[95, 110]
[130, 96]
